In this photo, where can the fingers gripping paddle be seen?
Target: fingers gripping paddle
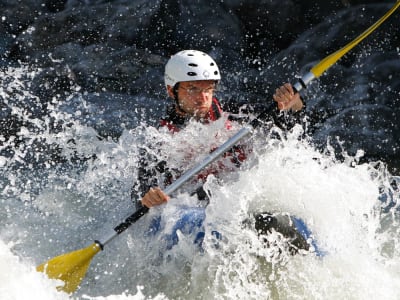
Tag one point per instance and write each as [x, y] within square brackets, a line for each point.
[71, 267]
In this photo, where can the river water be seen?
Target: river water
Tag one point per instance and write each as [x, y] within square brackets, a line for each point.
[63, 186]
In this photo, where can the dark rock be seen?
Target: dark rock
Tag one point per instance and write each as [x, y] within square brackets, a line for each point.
[120, 48]
[17, 15]
[55, 5]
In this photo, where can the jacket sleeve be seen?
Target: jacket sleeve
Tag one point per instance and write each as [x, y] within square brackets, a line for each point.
[265, 115]
[150, 172]
[285, 120]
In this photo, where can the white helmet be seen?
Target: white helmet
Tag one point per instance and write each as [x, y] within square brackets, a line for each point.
[190, 65]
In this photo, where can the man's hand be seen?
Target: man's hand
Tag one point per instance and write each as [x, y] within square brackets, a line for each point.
[155, 196]
[286, 98]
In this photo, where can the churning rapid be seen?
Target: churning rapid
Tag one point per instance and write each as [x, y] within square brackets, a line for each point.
[81, 92]
[63, 186]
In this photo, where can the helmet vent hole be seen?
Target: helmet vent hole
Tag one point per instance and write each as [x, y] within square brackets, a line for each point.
[190, 54]
[212, 64]
[216, 73]
[192, 73]
[193, 65]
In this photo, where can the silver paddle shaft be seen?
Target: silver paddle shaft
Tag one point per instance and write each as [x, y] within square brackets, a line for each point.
[177, 184]
[208, 160]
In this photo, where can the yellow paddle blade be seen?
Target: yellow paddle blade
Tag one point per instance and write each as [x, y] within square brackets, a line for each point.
[70, 267]
[328, 61]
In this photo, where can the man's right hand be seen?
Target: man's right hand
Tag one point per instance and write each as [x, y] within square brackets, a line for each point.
[155, 196]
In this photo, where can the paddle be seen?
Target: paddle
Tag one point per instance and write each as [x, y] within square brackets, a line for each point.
[328, 61]
[71, 267]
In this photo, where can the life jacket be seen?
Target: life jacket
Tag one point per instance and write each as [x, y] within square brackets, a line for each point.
[174, 122]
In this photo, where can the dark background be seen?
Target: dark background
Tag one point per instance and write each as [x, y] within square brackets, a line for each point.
[115, 52]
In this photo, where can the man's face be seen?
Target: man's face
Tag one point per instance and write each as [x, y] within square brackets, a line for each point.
[195, 97]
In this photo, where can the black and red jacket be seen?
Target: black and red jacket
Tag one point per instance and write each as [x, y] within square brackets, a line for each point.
[147, 174]
[175, 122]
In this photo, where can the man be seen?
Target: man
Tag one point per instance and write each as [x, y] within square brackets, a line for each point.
[191, 77]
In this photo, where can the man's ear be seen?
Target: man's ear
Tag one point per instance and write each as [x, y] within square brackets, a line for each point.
[170, 91]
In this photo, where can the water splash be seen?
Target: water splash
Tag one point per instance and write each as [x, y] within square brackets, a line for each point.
[55, 206]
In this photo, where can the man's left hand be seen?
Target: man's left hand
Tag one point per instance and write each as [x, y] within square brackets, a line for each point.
[286, 98]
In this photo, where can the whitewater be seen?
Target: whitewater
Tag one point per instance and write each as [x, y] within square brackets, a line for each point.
[63, 186]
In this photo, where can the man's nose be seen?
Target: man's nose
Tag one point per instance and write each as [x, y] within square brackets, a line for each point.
[203, 96]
